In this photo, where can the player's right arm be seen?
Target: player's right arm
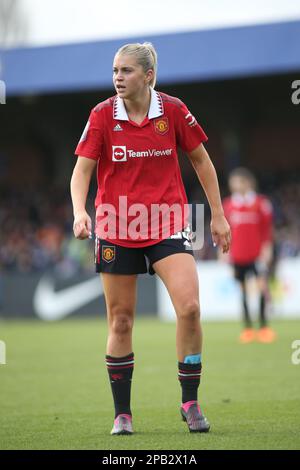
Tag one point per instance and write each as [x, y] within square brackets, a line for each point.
[80, 183]
[88, 151]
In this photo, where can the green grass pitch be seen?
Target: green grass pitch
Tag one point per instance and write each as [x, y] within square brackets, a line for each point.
[55, 394]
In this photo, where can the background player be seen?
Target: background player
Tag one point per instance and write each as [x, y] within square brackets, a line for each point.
[133, 137]
[250, 218]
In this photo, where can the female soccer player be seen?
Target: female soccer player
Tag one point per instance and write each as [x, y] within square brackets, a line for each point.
[251, 219]
[132, 138]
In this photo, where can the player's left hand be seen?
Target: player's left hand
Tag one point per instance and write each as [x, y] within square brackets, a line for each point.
[266, 253]
[221, 233]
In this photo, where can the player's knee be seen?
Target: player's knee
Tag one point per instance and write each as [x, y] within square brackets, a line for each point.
[190, 311]
[122, 322]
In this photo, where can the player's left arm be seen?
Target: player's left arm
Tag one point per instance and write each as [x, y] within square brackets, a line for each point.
[207, 176]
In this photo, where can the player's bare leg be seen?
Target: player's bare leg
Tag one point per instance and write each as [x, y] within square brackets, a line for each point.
[179, 274]
[120, 297]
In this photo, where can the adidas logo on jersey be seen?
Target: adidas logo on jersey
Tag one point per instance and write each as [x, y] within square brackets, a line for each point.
[118, 128]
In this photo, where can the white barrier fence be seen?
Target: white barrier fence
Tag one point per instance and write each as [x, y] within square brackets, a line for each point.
[220, 296]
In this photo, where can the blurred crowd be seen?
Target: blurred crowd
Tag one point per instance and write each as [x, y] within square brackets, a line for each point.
[36, 230]
[36, 233]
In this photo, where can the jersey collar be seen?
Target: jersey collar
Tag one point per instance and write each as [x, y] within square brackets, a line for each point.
[248, 199]
[156, 107]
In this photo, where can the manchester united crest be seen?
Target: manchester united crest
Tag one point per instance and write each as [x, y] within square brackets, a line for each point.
[108, 253]
[161, 125]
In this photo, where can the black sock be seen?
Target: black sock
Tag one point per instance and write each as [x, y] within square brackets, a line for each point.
[262, 311]
[189, 377]
[120, 371]
[247, 319]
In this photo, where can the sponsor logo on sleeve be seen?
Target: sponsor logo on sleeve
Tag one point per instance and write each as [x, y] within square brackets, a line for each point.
[191, 120]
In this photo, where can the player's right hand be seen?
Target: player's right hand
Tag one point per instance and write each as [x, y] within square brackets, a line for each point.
[82, 226]
[221, 233]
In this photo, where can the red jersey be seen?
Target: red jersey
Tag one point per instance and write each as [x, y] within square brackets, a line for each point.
[250, 220]
[138, 163]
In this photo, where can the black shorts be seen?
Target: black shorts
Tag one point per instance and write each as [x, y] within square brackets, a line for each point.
[256, 268]
[116, 259]
[241, 271]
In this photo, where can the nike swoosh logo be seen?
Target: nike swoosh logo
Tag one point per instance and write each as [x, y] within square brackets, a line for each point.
[51, 305]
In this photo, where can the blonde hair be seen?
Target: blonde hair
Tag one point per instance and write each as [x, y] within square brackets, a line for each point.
[145, 54]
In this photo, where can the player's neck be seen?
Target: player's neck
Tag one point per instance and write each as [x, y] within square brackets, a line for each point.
[139, 105]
